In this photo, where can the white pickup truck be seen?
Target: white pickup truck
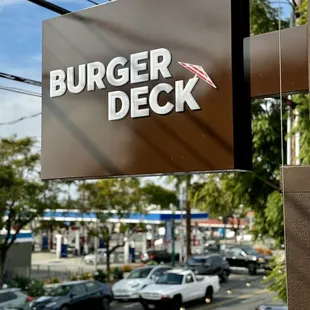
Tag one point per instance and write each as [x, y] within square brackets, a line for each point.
[177, 287]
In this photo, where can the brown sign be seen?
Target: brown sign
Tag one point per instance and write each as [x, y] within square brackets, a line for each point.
[146, 87]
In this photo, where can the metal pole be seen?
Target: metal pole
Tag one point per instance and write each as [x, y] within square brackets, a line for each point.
[96, 241]
[181, 202]
[172, 238]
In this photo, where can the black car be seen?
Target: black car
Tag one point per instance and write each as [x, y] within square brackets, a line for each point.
[159, 256]
[210, 264]
[77, 295]
[246, 257]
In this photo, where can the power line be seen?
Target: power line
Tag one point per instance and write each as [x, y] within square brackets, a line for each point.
[20, 79]
[50, 6]
[20, 91]
[20, 119]
[93, 2]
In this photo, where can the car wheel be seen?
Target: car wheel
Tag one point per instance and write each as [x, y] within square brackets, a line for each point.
[252, 269]
[105, 304]
[224, 276]
[145, 306]
[209, 295]
[177, 302]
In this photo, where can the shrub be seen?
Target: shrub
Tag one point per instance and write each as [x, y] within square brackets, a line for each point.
[152, 263]
[33, 287]
[73, 277]
[86, 276]
[127, 268]
[53, 280]
[99, 275]
[117, 273]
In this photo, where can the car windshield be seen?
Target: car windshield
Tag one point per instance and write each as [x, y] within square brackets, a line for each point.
[250, 251]
[61, 290]
[170, 279]
[196, 260]
[140, 273]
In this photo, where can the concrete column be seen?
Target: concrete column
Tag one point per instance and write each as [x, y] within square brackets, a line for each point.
[77, 240]
[296, 191]
[85, 240]
[58, 245]
[144, 242]
[126, 249]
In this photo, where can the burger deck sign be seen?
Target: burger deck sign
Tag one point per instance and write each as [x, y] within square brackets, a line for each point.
[143, 87]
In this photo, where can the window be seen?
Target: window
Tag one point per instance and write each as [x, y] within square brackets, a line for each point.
[92, 287]
[159, 272]
[189, 279]
[140, 273]
[170, 279]
[7, 296]
[78, 289]
[216, 260]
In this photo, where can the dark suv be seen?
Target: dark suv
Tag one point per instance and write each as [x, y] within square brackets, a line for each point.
[210, 264]
[159, 256]
[246, 257]
[77, 295]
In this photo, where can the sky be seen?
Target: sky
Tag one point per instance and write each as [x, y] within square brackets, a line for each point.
[20, 54]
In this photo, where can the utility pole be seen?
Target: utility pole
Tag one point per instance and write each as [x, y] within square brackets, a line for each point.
[182, 201]
[188, 218]
[172, 207]
[96, 245]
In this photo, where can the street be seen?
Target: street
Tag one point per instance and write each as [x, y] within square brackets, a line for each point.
[242, 297]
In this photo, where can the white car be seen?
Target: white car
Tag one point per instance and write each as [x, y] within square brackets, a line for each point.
[178, 287]
[14, 298]
[90, 258]
[129, 288]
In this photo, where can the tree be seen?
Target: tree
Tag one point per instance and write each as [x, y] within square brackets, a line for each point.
[113, 199]
[23, 197]
[159, 196]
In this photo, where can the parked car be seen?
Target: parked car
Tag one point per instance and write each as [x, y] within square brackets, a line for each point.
[128, 289]
[270, 307]
[246, 257]
[101, 256]
[77, 295]
[14, 298]
[159, 256]
[178, 287]
[210, 264]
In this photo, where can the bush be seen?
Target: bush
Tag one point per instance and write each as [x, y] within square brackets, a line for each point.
[117, 273]
[86, 276]
[53, 280]
[127, 268]
[100, 276]
[276, 279]
[33, 287]
[73, 277]
[152, 263]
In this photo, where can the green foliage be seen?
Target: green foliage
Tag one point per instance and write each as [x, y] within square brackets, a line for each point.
[117, 273]
[152, 263]
[276, 280]
[23, 196]
[264, 17]
[53, 280]
[302, 13]
[159, 196]
[114, 198]
[73, 277]
[100, 275]
[33, 287]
